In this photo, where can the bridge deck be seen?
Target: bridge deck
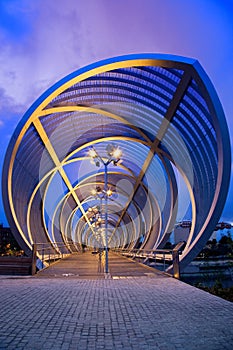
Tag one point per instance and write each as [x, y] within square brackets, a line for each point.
[148, 312]
[91, 266]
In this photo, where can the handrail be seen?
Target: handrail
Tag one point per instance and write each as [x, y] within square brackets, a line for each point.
[43, 254]
[166, 256]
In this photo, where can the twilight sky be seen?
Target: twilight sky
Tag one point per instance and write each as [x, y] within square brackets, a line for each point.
[42, 41]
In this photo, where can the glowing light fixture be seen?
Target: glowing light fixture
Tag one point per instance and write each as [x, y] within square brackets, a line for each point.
[114, 156]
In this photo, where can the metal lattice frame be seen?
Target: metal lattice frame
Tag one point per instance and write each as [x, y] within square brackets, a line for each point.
[163, 112]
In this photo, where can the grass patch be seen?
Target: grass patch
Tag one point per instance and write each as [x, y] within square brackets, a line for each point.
[217, 289]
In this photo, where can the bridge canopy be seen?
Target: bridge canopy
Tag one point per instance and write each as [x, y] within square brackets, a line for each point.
[163, 113]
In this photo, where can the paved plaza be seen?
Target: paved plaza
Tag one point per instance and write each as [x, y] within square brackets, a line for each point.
[125, 312]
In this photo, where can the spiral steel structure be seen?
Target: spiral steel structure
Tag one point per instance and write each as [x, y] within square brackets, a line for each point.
[164, 114]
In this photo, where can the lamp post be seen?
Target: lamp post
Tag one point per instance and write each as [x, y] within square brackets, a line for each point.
[95, 220]
[114, 154]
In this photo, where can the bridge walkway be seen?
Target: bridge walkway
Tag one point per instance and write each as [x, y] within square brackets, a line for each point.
[91, 266]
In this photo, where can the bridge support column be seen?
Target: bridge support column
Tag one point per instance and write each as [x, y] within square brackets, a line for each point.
[176, 264]
[175, 256]
[34, 258]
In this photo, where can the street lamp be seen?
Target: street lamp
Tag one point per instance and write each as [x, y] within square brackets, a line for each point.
[114, 154]
[96, 221]
[99, 193]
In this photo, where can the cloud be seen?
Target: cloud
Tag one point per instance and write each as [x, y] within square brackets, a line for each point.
[52, 46]
[8, 104]
[57, 37]
[42, 41]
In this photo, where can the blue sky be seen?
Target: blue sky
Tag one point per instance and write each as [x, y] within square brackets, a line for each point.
[43, 40]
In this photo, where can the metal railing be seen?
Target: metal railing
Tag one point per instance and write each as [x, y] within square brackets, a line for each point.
[44, 254]
[163, 258]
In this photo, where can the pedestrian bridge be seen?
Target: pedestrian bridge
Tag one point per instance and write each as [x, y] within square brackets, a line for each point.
[91, 265]
[116, 154]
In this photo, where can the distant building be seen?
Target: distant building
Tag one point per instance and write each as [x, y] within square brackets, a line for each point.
[182, 229]
[222, 226]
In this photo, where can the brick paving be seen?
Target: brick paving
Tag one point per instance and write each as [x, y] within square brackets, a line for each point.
[130, 312]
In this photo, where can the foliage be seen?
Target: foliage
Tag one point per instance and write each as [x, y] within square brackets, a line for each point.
[217, 252]
[217, 289]
[214, 248]
[8, 250]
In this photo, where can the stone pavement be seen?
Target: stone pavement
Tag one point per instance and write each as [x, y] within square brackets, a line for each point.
[151, 312]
